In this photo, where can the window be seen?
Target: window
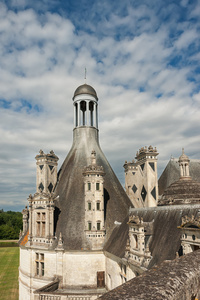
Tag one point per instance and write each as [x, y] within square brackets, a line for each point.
[98, 226]
[40, 225]
[37, 268]
[39, 264]
[89, 225]
[98, 205]
[43, 229]
[42, 268]
[89, 206]
[89, 186]
[97, 186]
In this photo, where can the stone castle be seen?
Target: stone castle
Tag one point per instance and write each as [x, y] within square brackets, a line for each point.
[83, 235]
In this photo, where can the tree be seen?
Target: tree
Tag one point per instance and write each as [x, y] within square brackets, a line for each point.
[10, 224]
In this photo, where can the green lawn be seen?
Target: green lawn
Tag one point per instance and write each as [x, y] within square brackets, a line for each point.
[9, 263]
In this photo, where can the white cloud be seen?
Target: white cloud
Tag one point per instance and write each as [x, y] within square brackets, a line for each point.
[143, 99]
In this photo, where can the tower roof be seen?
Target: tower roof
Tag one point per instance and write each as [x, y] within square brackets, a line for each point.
[85, 89]
[181, 192]
[70, 188]
[183, 157]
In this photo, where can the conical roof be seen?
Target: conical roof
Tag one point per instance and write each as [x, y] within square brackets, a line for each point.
[70, 188]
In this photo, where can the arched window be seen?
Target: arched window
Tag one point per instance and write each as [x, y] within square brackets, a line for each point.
[76, 115]
[91, 109]
[83, 109]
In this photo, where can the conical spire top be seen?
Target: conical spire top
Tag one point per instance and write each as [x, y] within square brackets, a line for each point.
[184, 165]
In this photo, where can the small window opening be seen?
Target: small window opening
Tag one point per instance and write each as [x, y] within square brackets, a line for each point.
[89, 206]
[89, 225]
[97, 186]
[98, 205]
[98, 226]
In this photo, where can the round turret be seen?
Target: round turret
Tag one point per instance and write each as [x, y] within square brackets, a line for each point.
[183, 191]
[85, 103]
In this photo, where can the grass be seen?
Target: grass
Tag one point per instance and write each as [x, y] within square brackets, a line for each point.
[9, 263]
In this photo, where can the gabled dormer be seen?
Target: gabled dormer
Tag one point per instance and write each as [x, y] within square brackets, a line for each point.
[190, 234]
[139, 237]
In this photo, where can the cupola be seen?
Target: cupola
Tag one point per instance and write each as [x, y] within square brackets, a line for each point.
[85, 106]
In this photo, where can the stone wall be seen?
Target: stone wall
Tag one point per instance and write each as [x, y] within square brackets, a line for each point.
[116, 271]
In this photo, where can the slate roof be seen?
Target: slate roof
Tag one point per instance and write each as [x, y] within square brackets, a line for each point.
[165, 240]
[184, 190]
[173, 280]
[70, 207]
[172, 173]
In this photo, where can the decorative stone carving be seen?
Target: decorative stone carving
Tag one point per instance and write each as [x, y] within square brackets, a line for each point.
[135, 219]
[190, 220]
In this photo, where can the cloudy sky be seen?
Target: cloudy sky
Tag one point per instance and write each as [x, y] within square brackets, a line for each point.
[142, 58]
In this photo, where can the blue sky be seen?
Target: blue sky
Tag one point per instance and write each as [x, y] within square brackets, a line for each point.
[142, 57]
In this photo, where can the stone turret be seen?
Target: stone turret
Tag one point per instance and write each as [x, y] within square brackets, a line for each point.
[71, 182]
[46, 171]
[141, 180]
[184, 166]
[183, 191]
[42, 203]
[94, 204]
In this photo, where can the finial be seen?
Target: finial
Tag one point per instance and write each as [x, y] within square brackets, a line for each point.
[182, 150]
[85, 74]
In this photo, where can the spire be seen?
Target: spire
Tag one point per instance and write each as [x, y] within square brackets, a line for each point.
[184, 165]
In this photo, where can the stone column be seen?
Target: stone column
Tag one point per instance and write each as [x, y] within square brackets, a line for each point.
[30, 221]
[78, 113]
[75, 121]
[94, 116]
[187, 170]
[181, 170]
[47, 221]
[87, 114]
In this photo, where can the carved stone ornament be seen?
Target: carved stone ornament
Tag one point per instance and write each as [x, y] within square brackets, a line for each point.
[135, 219]
[190, 221]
